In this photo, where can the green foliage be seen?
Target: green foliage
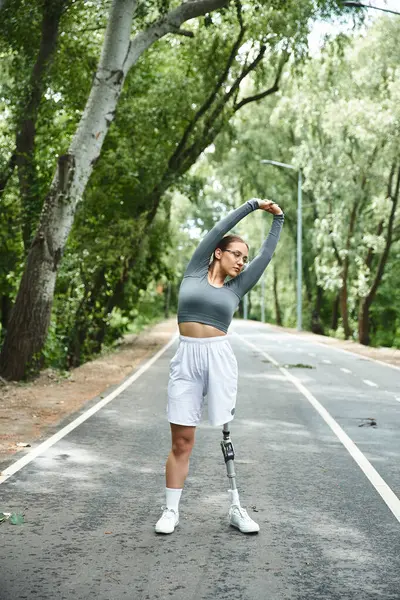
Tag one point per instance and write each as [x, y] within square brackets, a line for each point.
[338, 119]
[146, 205]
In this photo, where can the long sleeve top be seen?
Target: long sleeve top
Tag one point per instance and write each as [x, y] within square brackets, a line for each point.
[201, 302]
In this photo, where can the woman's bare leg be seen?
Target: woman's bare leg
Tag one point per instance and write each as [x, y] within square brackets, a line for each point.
[177, 466]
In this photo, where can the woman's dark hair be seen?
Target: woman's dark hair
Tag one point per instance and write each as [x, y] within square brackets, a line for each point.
[228, 239]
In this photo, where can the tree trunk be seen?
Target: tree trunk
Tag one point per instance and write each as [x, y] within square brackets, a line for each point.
[278, 314]
[335, 313]
[344, 310]
[25, 141]
[23, 156]
[363, 323]
[167, 299]
[343, 304]
[365, 303]
[30, 318]
[82, 325]
[316, 325]
[241, 308]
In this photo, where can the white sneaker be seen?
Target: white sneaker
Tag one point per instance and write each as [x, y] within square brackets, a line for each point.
[168, 521]
[239, 518]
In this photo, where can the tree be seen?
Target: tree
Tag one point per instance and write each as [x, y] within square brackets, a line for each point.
[28, 324]
[138, 171]
[347, 122]
[337, 119]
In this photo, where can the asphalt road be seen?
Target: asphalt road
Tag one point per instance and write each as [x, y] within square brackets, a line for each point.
[327, 533]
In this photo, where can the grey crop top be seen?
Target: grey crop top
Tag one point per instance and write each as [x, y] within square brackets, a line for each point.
[201, 302]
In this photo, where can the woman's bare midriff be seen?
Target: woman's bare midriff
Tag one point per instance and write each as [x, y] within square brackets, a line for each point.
[199, 330]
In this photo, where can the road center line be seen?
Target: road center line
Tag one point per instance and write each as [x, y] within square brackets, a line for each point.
[387, 495]
[22, 462]
[275, 329]
[345, 370]
[370, 383]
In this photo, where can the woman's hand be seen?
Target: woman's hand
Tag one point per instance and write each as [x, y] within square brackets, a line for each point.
[270, 207]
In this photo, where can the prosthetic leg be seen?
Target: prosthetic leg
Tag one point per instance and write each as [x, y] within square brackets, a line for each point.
[229, 456]
[238, 516]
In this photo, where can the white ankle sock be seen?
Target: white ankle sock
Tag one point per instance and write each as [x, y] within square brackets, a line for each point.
[234, 496]
[173, 496]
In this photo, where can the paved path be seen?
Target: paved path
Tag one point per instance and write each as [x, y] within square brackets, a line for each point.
[327, 532]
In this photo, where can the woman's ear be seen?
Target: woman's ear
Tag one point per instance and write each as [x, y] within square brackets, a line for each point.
[218, 253]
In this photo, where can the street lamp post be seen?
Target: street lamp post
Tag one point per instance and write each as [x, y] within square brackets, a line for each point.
[351, 4]
[299, 236]
[263, 276]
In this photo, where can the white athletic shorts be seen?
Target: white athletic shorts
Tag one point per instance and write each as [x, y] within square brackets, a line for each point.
[202, 367]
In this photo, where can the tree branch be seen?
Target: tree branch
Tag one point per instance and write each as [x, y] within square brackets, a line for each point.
[210, 100]
[228, 95]
[389, 240]
[170, 23]
[370, 254]
[238, 5]
[271, 90]
[184, 32]
[26, 134]
[187, 157]
[390, 180]
[336, 251]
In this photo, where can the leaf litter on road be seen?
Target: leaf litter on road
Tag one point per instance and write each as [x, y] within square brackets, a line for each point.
[12, 518]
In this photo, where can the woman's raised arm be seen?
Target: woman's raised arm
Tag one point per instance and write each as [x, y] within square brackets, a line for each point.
[249, 277]
[201, 257]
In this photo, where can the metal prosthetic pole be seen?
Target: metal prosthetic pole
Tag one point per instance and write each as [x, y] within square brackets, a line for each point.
[229, 455]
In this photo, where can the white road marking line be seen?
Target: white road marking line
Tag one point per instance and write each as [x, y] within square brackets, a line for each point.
[398, 399]
[327, 361]
[22, 462]
[387, 495]
[355, 354]
[311, 354]
[360, 356]
[370, 383]
[345, 370]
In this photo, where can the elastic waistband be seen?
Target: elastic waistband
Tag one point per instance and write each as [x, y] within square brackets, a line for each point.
[209, 340]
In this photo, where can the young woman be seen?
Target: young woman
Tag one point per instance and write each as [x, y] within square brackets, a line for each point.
[204, 364]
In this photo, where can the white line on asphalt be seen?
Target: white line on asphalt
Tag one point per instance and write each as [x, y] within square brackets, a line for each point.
[355, 354]
[370, 383]
[388, 496]
[22, 462]
[398, 399]
[327, 362]
[311, 354]
[345, 370]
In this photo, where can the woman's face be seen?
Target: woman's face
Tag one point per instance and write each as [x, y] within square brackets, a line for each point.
[233, 259]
